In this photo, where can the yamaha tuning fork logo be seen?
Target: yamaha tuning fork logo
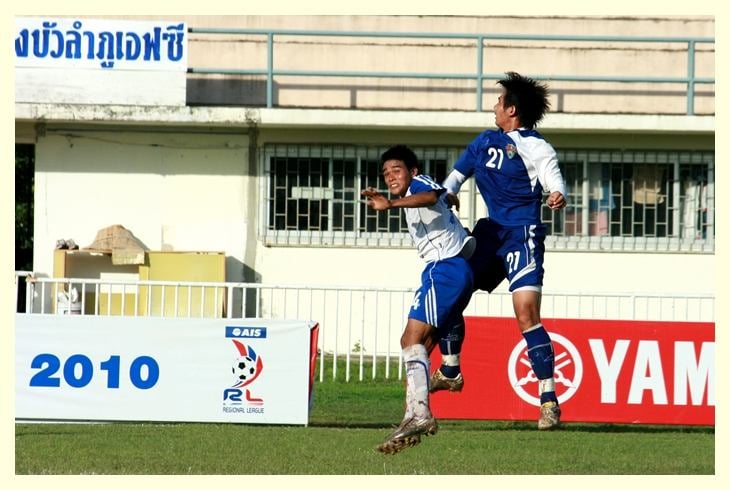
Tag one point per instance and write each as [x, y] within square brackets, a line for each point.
[568, 371]
[246, 367]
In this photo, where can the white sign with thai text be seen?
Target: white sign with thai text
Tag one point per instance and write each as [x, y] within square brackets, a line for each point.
[96, 61]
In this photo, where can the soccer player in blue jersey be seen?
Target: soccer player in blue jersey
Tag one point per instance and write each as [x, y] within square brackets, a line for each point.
[513, 165]
[446, 282]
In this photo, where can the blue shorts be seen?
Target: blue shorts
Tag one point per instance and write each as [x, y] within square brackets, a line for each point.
[513, 252]
[446, 287]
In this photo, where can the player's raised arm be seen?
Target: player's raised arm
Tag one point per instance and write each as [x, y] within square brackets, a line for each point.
[379, 202]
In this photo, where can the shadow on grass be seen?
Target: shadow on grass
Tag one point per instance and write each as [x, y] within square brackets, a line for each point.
[577, 427]
[480, 426]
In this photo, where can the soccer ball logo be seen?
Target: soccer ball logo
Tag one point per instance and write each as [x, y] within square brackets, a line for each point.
[247, 366]
[244, 369]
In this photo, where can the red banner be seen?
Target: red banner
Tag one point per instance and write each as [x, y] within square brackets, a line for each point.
[313, 336]
[605, 371]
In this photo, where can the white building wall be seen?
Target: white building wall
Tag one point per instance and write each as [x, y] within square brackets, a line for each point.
[565, 272]
[178, 192]
[605, 272]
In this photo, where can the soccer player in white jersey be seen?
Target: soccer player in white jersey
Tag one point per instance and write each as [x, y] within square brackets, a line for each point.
[446, 282]
[513, 166]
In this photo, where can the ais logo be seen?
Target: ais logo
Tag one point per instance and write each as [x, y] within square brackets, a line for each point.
[243, 332]
[246, 367]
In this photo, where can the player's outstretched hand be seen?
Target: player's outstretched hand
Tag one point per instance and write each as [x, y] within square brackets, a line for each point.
[556, 200]
[376, 200]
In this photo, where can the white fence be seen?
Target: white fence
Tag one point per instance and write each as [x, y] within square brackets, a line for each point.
[360, 326]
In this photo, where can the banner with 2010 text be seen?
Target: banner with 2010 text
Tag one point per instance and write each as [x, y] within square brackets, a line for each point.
[173, 369]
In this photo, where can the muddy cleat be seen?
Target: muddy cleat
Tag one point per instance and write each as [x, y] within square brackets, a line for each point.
[408, 434]
[393, 446]
[549, 416]
[413, 426]
[440, 382]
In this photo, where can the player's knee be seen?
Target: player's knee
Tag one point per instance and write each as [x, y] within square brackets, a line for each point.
[527, 311]
[527, 317]
[416, 332]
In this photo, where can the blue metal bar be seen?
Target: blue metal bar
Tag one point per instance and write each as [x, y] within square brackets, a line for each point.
[373, 74]
[459, 76]
[446, 35]
[229, 71]
[690, 76]
[270, 70]
[480, 72]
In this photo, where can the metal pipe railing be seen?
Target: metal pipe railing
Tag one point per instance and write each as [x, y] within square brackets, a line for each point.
[479, 76]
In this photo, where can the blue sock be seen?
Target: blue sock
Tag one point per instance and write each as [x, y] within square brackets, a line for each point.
[450, 347]
[542, 358]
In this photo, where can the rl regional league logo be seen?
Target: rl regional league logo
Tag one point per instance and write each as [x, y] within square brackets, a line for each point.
[568, 371]
[245, 369]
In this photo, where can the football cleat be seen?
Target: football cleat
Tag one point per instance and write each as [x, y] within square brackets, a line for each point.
[408, 434]
[393, 446]
[440, 382]
[549, 416]
[426, 426]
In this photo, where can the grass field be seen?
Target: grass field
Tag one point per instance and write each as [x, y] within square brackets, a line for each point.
[347, 421]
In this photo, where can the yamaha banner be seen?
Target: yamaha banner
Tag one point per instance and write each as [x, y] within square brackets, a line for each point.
[605, 371]
[173, 369]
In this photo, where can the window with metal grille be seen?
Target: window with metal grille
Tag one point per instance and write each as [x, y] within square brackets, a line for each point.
[636, 194]
[312, 197]
[314, 193]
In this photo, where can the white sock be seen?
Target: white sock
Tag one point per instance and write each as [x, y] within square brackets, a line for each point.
[417, 369]
[450, 359]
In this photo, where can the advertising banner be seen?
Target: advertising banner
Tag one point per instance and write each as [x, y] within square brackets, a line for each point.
[605, 371]
[171, 369]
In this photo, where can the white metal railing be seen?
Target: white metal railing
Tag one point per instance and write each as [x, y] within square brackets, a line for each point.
[358, 325]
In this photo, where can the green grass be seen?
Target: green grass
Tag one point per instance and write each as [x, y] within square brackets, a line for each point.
[347, 421]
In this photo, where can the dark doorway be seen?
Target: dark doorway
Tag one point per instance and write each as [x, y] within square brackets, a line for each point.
[24, 184]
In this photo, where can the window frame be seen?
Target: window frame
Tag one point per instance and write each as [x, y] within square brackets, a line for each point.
[673, 241]
[473, 208]
[351, 238]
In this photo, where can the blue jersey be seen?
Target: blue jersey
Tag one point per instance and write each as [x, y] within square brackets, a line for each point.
[512, 169]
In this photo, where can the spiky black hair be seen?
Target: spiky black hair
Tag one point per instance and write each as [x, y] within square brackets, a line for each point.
[528, 96]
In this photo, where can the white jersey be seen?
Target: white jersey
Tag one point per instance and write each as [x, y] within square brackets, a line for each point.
[435, 230]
